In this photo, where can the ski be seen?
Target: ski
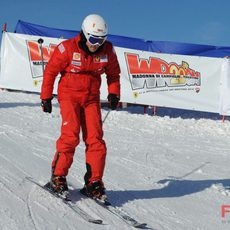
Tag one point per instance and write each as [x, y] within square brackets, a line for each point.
[116, 211]
[67, 201]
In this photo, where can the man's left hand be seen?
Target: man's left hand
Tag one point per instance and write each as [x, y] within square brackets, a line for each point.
[113, 100]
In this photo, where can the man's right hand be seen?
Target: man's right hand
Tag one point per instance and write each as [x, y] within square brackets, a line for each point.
[46, 105]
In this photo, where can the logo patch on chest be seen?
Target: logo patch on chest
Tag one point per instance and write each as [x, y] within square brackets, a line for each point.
[100, 59]
[76, 63]
[76, 56]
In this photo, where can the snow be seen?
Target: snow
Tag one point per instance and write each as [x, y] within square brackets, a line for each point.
[170, 171]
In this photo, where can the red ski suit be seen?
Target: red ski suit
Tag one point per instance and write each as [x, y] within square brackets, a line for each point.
[79, 98]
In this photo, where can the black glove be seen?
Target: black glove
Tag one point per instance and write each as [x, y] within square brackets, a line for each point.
[46, 105]
[113, 100]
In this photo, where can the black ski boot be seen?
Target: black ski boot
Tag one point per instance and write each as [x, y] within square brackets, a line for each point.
[58, 185]
[95, 190]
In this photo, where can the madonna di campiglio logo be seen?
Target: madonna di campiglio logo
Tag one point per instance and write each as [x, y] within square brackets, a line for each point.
[155, 73]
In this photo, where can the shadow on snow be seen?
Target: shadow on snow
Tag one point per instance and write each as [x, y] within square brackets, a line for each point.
[172, 188]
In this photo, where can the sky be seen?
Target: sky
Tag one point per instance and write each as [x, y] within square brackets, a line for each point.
[189, 21]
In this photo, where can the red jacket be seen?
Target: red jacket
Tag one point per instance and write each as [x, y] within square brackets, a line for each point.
[81, 72]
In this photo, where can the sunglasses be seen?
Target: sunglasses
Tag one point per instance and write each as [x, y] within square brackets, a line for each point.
[95, 40]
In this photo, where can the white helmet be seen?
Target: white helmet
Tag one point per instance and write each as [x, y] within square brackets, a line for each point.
[94, 25]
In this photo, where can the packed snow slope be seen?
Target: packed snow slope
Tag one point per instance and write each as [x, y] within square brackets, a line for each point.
[172, 172]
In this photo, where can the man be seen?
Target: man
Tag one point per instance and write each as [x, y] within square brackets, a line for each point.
[81, 61]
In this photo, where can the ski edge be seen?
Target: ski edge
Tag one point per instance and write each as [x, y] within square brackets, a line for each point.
[114, 210]
[123, 216]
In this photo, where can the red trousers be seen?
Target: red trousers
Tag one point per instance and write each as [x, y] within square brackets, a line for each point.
[74, 118]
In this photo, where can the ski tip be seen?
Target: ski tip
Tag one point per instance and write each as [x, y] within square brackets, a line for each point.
[140, 225]
[95, 221]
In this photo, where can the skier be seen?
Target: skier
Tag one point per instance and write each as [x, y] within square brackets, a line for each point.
[81, 61]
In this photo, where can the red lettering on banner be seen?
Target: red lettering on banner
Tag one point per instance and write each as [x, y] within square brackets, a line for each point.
[157, 66]
[35, 52]
[140, 66]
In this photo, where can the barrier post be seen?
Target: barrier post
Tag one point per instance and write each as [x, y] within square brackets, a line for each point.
[145, 108]
[223, 118]
[40, 42]
[154, 110]
[4, 27]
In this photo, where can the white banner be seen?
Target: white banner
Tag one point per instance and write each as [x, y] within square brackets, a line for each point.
[177, 81]
[21, 62]
[225, 88]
